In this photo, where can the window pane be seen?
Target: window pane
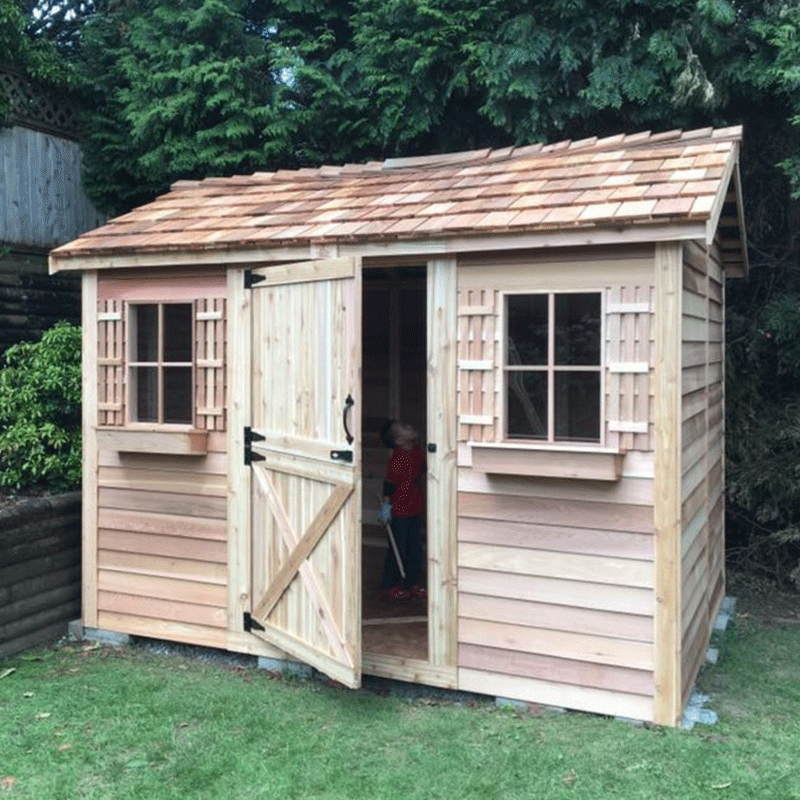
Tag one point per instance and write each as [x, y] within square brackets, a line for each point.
[527, 329]
[577, 404]
[178, 332]
[178, 395]
[146, 332]
[146, 393]
[577, 330]
[527, 404]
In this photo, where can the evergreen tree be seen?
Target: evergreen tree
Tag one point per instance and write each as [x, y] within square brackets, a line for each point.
[177, 89]
[189, 88]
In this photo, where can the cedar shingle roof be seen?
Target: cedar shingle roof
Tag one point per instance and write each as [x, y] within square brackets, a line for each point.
[621, 181]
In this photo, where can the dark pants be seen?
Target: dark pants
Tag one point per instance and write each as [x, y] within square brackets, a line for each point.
[408, 536]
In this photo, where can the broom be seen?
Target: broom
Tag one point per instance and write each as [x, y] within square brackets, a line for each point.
[393, 544]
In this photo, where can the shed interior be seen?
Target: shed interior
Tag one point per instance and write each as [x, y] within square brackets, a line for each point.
[393, 387]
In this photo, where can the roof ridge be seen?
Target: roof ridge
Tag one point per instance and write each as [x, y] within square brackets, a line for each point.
[476, 157]
[613, 141]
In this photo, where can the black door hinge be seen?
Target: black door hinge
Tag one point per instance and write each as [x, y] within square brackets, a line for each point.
[250, 624]
[251, 436]
[342, 455]
[251, 278]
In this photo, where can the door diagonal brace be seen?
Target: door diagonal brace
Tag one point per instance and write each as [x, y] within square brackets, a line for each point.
[302, 550]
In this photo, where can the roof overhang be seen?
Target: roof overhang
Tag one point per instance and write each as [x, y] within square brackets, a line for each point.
[628, 189]
[401, 249]
[726, 220]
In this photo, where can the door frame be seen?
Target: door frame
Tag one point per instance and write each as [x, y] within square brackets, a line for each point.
[440, 669]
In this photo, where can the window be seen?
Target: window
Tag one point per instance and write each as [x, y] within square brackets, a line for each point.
[160, 363]
[552, 367]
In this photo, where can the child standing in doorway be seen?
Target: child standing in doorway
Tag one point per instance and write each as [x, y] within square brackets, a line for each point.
[402, 509]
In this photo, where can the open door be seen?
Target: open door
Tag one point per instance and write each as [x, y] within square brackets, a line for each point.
[304, 450]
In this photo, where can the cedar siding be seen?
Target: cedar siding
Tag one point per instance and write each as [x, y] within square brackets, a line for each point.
[161, 538]
[702, 454]
[162, 545]
[575, 533]
[555, 576]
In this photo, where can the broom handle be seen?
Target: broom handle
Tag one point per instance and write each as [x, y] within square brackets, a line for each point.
[394, 545]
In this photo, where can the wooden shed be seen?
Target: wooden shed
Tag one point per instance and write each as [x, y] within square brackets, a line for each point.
[550, 317]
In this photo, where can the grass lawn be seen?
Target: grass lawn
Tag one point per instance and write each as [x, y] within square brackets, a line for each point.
[82, 721]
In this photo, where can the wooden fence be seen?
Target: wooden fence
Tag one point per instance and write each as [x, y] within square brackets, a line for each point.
[40, 570]
[42, 205]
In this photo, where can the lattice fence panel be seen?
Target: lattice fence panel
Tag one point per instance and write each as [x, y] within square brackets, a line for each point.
[37, 108]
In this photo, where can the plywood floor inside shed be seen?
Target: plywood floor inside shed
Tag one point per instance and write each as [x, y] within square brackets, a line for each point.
[390, 627]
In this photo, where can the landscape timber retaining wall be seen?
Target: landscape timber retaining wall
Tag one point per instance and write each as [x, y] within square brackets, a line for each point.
[40, 570]
[31, 301]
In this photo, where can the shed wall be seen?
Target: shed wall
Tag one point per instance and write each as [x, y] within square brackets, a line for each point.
[161, 541]
[702, 455]
[555, 577]
[162, 550]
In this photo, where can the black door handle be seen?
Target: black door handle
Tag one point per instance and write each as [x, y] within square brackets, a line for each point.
[348, 404]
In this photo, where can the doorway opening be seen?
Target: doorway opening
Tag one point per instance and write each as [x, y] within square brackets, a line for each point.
[394, 386]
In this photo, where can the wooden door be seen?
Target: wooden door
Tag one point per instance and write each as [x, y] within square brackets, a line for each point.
[305, 457]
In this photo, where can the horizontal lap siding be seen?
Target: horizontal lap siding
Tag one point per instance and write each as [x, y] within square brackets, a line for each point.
[555, 577]
[556, 592]
[159, 551]
[162, 550]
[702, 538]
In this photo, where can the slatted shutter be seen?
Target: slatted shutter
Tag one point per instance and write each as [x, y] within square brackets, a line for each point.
[629, 360]
[210, 364]
[111, 363]
[479, 355]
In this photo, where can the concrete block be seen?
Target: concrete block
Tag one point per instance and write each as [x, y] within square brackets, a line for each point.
[712, 655]
[106, 637]
[725, 613]
[75, 630]
[637, 723]
[507, 702]
[694, 712]
[295, 668]
[692, 715]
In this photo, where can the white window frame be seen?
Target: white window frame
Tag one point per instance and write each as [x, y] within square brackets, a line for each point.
[551, 368]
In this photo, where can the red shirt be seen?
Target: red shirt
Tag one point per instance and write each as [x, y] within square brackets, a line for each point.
[405, 467]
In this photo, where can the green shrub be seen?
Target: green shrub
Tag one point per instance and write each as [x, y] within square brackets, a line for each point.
[40, 412]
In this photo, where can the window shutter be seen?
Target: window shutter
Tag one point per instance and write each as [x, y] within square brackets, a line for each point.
[478, 375]
[110, 363]
[210, 363]
[629, 361]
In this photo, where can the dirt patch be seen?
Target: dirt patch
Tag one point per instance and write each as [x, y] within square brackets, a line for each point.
[761, 599]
